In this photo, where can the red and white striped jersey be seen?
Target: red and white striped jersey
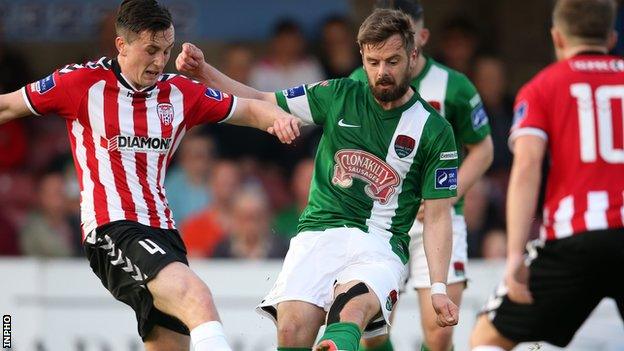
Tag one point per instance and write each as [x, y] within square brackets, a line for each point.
[123, 139]
[577, 106]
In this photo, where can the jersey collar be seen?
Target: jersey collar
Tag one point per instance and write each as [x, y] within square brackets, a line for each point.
[125, 82]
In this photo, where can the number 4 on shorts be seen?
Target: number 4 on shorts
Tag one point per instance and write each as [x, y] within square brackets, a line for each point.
[151, 246]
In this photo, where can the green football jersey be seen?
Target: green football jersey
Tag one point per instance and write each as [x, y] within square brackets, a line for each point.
[372, 166]
[453, 95]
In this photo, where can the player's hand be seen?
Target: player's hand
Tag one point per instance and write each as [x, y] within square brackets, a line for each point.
[286, 129]
[189, 60]
[420, 216]
[516, 279]
[447, 312]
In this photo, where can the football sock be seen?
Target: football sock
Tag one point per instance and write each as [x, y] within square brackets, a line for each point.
[346, 336]
[209, 337]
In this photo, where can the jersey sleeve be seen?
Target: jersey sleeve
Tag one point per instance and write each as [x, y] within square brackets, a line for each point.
[359, 75]
[57, 93]
[440, 164]
[310, 102]
[204, 104]
[472, 122]
[529, 114]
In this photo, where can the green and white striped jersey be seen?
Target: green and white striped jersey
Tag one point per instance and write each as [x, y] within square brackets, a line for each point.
[453, 95]
[373, 166]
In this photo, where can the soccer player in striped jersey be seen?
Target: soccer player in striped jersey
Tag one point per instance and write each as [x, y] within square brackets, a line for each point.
[125, 118]
[383, 149]
[456, 99]
[571, 110]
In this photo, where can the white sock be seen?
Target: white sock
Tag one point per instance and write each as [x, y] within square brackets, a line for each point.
[209, 337]
[488, 348]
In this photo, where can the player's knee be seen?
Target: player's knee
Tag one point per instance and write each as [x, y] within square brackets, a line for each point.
[439, 338]
[289, 329]
[484, 333]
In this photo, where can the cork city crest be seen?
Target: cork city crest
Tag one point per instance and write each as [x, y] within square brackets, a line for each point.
[381, 179]
[165, 113]
[404, 145]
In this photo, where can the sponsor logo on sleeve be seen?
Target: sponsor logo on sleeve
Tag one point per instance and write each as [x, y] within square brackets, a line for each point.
[214, 94]
[448, 155]
[446, 178]
[520, 112]
[292, 93]
[44, 85]
[479, 117]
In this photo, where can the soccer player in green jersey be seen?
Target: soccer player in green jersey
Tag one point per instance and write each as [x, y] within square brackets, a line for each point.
[383, 149]
[455, 98]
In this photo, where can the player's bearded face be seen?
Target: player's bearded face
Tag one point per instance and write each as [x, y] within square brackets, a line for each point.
[143, 57]
[388, 69]
[388, 88]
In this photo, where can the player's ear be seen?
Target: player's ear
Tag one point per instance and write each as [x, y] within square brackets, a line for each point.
[557, 38]
[120, 44]
[424, 36]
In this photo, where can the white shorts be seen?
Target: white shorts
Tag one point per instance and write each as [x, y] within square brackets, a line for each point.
[419, 269]
[318, 260]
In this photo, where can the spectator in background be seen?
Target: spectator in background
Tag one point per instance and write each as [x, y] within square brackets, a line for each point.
[9, 245]
[494, 244]
[186, 183]
[201, 232]
[47, 232]
[459, 43]
[286, 63]
[339, 52]
[491, 82]
[250, 235]
[237, 62]
[286, 221]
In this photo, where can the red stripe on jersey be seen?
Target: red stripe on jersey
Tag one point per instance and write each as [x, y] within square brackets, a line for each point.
[140, 123]
[580, 207]
[100, 201]
[166, 130]
[111, 116]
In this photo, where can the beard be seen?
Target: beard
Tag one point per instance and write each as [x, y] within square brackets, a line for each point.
[392, 91]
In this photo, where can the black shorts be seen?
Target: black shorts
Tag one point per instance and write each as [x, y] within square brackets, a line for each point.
[568, 279]
[125, 255]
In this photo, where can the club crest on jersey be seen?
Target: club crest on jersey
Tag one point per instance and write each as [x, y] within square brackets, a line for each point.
[404, 145]
[446, 178]
[436, 105]
[44, 85]
[165, 113]
[381, 179]
[392, 299]
[214, 94]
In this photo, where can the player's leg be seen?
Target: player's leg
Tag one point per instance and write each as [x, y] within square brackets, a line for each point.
[179, 292]
[485, 337]
[354, 307]
[163, 339]
[435, 337]
[298, 324]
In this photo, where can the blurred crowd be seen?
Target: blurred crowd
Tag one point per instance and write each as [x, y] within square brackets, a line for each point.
[236, 192]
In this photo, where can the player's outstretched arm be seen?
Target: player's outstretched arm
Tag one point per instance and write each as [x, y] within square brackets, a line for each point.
[438, 239]
[265, 116]
[12, 106]
[522, 194]
[191, 62]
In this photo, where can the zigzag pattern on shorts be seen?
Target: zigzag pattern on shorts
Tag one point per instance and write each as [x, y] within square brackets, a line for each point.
[119, 259]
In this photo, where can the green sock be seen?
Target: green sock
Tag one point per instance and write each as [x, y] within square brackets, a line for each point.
[346, 336]
[294, 349]
[386, 346]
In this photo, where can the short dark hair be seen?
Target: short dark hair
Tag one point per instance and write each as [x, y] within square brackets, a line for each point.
[384, 23]
[590, 21]
[411, 7]
[138, 15]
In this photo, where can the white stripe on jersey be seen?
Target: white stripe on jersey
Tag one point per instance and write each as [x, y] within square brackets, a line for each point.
[300, 107]
[105, 170]
[32, 110]
[128, 158]
[433, 86]
[232, 109]
[154, 130]
[596, 214]
[87, 203]
[515, 133]
[412, 123]
[563, 217]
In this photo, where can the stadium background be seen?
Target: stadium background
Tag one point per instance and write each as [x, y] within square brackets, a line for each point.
[235, 191]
